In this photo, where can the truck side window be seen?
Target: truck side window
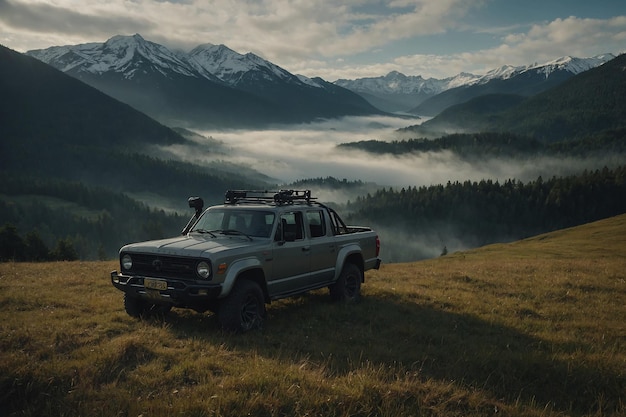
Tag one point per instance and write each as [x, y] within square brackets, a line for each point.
[316, 223]
[292, 225]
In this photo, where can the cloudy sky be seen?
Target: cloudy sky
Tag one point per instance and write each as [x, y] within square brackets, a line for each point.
[336, 39]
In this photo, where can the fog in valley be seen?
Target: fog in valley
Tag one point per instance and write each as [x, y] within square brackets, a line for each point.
[297, 152]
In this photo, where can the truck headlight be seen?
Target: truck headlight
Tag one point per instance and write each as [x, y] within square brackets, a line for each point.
[203, 269]
[127, 262]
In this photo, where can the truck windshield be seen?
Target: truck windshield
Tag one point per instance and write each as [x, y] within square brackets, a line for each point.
[257, 223]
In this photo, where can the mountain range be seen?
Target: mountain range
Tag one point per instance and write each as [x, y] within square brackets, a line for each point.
[214, 86]
[396, 92]
[210, 86]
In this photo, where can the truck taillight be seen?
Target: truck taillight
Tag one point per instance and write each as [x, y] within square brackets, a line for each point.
[377, 245]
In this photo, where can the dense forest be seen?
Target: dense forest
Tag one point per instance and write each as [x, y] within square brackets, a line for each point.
[58, 220]
[423, 222]
[494, 144]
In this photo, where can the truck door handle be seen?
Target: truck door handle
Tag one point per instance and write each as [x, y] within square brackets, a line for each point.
[306, 248]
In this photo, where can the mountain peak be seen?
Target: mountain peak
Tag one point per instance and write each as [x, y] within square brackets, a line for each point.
[232, 67]
[120, 54]
[573, 64]
[125, 38]
[211, 48]
[395, 74]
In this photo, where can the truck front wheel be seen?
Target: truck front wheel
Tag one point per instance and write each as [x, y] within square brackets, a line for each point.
[243, 309]
[348, 285]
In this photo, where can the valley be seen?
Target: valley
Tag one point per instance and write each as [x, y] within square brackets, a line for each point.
[144, 170]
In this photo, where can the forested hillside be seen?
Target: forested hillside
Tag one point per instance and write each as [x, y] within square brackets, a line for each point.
[49, 219]
[426, 221]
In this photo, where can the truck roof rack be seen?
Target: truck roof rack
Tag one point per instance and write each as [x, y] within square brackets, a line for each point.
[265, 196]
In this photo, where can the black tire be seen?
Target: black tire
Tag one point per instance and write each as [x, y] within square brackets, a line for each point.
[348, 285]
[139, 308]
[243, 309]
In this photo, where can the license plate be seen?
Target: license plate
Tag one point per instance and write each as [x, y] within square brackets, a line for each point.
[155, 284]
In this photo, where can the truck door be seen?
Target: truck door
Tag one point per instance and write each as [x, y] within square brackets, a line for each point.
[323, 248]
[291, 261]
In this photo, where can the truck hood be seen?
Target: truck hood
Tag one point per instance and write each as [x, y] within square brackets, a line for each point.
[192, 245]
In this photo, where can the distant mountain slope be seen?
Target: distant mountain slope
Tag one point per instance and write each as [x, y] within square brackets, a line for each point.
[54, 126]
[396, 92]
[525, 81]
[589, 102]
[428, 97]
[211, 86]
[42, 107]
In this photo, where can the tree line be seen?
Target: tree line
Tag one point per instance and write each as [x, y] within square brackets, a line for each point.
[32, 248]
[484, 212]
[499, 144]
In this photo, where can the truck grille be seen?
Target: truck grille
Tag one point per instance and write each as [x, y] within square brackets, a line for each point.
[164, 266]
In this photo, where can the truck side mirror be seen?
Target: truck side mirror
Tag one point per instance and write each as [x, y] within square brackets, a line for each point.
[196, 203]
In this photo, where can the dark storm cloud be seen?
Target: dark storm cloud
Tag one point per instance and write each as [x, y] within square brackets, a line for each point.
[45, 18]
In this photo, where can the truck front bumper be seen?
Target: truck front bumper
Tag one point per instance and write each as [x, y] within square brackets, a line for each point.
[168, 291]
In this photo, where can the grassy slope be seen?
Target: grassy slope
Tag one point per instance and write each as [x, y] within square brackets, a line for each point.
[532, 328]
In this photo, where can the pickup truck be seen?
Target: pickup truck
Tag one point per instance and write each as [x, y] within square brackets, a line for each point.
[234, 258]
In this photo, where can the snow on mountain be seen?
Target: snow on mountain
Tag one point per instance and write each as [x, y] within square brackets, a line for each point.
[308, 81]
[121, 54]
[231, 67]
[128, 54]
[392, 83]
[398, 83]
[567, 63]
[572, 64]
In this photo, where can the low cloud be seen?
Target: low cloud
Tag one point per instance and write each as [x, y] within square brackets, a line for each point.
[310, 151]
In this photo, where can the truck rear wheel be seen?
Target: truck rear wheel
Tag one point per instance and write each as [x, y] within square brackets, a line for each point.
[243, 309]
[348, 285]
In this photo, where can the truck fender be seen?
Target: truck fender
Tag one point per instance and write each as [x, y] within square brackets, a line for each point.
[234, 270]
[344, 253]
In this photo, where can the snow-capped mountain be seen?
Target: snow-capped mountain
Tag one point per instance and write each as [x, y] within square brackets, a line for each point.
[120, 54]
[568, 64]
[398, 83]
[234, 68]
[396, 91]
[210, 85]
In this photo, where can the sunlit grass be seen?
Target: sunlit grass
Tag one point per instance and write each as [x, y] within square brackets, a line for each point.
[531, 328]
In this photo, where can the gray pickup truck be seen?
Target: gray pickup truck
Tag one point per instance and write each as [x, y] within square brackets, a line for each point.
[234, 258]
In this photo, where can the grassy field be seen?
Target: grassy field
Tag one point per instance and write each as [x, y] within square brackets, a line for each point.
[531, 328]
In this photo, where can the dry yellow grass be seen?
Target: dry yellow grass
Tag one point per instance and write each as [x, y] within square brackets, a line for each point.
[531, 328]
